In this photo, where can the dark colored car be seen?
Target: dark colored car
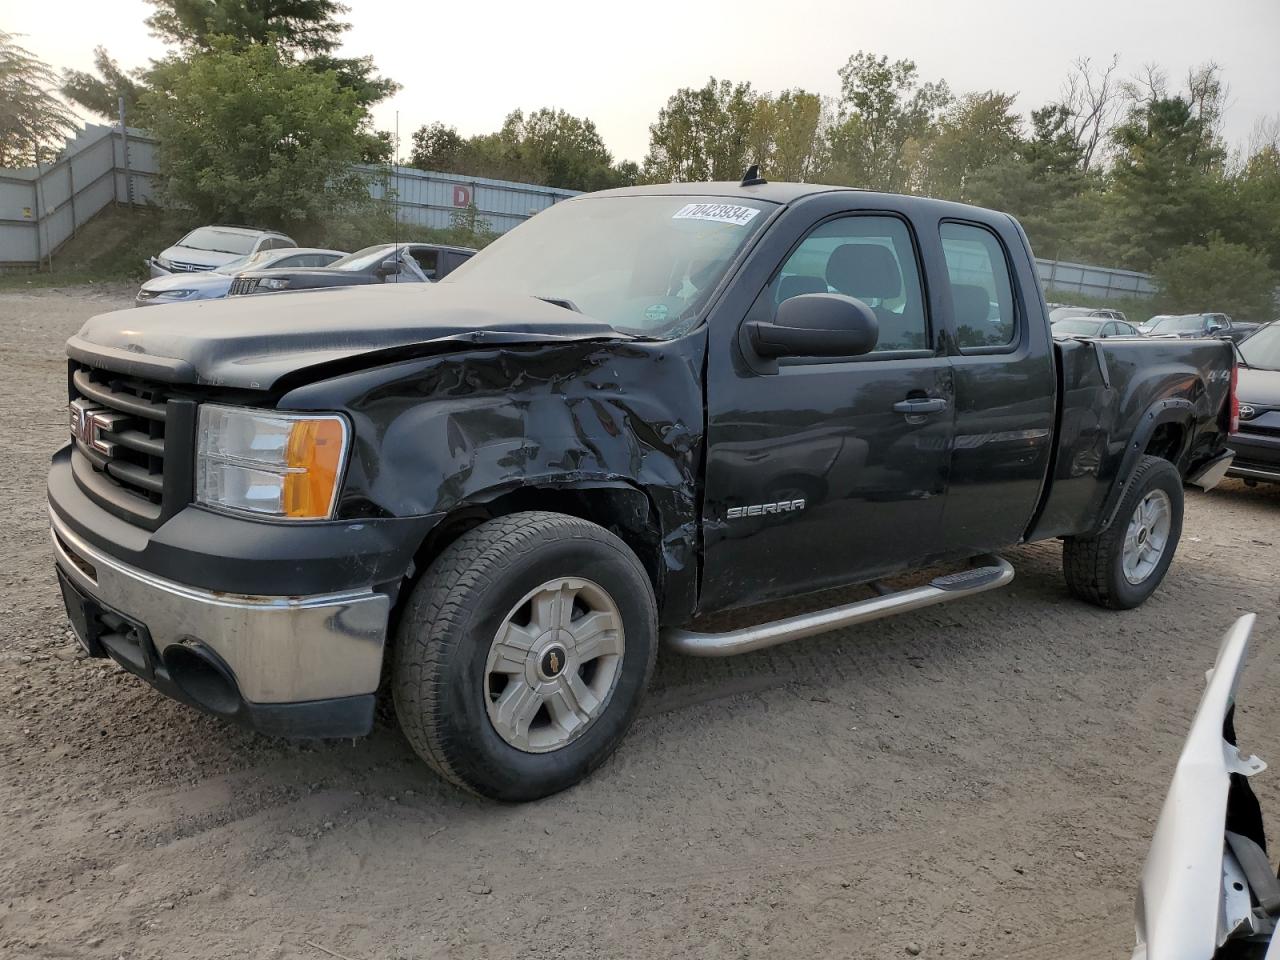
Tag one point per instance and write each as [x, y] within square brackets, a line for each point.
[1092, 326]
[1196, 325]
[638, 408]
[383, 263]
[1256, 439]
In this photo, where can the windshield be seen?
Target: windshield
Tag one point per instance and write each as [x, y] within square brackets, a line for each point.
[1177, 325]
[1077, 328]
[365, 258]
[219, 241]
[645, 265]
[1262, 350]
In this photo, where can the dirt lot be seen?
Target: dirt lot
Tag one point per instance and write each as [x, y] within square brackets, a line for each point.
[978, 780]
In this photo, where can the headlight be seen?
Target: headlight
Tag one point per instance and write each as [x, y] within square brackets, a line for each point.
[273, 283]
[172, 294]
[166, 264]
[268, 463]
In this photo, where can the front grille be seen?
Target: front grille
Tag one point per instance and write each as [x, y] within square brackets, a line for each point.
[177, 266]
[124, 431]
[1264, 422]
[243, 285]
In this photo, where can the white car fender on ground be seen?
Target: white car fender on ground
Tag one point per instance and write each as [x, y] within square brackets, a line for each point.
[1195, 893]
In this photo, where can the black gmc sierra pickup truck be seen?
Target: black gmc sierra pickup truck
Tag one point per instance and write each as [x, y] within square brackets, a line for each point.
[639, 408]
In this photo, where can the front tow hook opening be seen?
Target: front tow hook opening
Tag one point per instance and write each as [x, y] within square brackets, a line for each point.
[202, 677]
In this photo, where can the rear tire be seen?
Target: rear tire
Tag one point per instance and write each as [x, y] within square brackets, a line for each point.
[523, 654]
[1122, 566]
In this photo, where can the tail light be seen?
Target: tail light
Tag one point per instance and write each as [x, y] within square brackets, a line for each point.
[1233, 399]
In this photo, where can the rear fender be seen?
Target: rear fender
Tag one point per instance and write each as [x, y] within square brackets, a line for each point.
[1172, 410]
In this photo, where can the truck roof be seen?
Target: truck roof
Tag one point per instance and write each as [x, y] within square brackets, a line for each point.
[783, 192]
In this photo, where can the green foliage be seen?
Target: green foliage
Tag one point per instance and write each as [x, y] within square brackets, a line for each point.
[702, 134]
[1166, 182]
[306, 27]
[306, 31]
[1218, 276]
[886, 117]
[33, 122]
[549, 147]
[249, 136]
[101, 94]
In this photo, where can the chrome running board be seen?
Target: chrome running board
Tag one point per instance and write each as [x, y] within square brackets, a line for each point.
[992, 572]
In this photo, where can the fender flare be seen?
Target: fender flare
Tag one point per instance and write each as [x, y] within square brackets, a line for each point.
[674, 542]
[1170, 410]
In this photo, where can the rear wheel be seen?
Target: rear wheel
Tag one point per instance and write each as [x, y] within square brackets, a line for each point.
[523, 654]
[1124, 564]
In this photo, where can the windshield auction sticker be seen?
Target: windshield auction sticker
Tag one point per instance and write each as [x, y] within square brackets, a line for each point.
[717, 212]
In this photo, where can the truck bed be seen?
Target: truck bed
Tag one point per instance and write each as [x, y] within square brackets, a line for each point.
[1118, 399]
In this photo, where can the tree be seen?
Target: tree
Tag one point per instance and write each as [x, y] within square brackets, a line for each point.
[246, 135]
[33, 121]
[1221, 276]
[977, 132]
[566, 150]
[1167, 186]
[788, 136]
[101, 94]
[702, 134]
[548, 146]
[307, 31]
[1091, 100]
[437, 147]
[885, 119]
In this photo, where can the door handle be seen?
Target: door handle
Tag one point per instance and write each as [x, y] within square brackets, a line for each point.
[918, 405]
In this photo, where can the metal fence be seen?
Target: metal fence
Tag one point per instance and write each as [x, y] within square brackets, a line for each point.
[1102, 283]
[433, 199]
[42, 207]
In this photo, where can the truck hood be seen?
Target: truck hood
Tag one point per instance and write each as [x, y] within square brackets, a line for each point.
[1258, 386]
[252, 342]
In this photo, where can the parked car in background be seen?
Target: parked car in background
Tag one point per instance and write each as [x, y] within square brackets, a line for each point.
[214, 284]
[1256, 437]
[385, 262]
[1093, 327]
[1058, 314]
[207, 247]
[1191, 326]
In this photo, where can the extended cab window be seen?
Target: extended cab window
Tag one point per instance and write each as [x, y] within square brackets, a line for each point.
[981, 290]
[869, 257]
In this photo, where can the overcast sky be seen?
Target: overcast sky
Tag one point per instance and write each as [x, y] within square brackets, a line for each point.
[469, 64]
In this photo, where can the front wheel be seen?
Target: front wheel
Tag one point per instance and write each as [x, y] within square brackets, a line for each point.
[523, 654]
[1123, 565]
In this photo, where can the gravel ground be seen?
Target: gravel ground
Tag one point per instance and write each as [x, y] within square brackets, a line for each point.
[975, 780]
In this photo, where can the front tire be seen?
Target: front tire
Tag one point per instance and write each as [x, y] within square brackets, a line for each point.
[1122, 566]
[523, 654]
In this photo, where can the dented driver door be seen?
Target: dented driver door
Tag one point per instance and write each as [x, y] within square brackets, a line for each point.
[825, 471]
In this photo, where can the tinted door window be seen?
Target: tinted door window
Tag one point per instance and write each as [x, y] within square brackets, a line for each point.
[868, 257]
[981, 291]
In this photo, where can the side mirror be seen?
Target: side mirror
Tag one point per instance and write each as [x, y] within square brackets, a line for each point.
[389, 266]
[1215, 328]
[817, 325]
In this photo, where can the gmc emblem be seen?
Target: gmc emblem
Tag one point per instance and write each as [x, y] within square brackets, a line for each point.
[88, 424]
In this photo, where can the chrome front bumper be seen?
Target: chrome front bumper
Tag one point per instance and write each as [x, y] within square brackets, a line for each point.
[279, 650]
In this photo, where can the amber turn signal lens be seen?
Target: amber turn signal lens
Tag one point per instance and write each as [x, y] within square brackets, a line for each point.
[313, 460]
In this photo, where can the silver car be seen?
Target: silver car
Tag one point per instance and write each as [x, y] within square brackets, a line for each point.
[214, 284]
[206, 248]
